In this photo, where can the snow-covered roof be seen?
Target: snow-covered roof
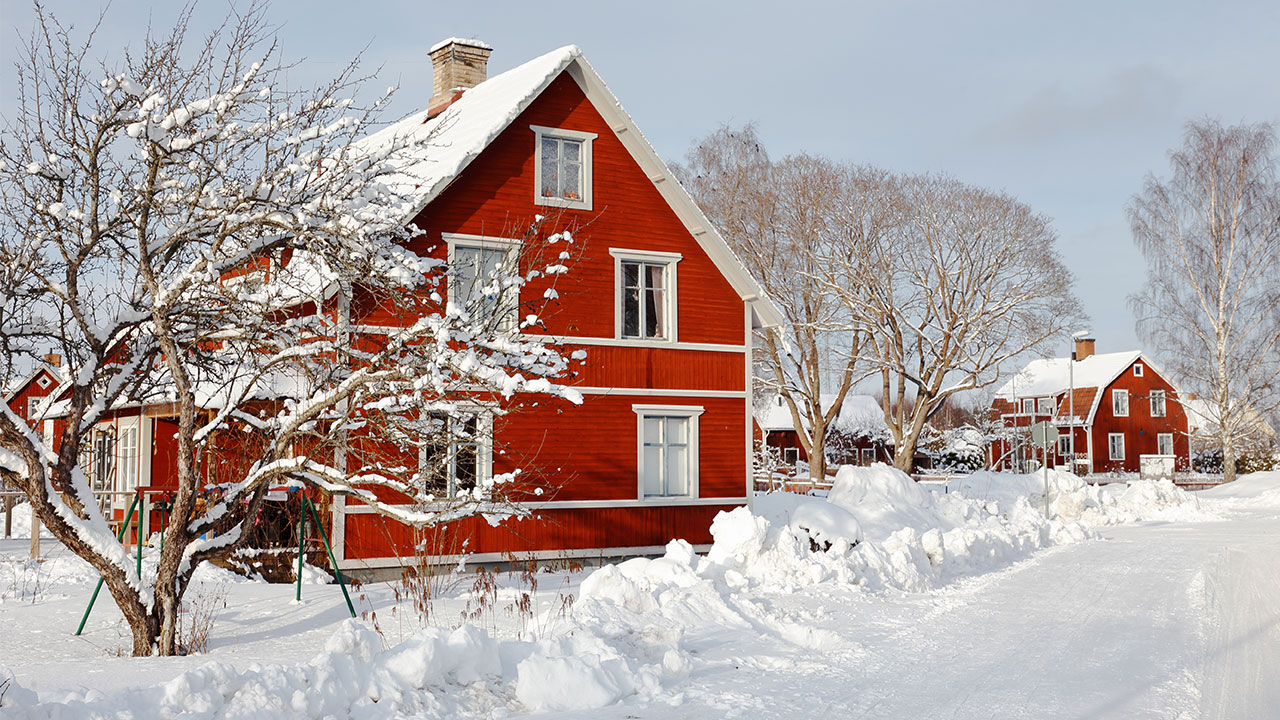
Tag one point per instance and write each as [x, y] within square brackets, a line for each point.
[1050, 376]
[860, 415]
[437, 149]
[16, 386]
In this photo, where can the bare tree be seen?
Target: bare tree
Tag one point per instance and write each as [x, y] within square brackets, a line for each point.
[186, 232]
[778, 217]
[1211, 235]
[964, 281]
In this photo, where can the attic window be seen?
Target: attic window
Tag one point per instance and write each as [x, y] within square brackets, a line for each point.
[43, 382]
[562, 166]
[1137, 369]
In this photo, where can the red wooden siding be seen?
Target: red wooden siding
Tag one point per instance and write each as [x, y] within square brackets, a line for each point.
[19, 402]
[373, 536]
[1139, 427]
[647, 367]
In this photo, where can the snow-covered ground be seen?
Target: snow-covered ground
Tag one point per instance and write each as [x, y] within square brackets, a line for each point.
[886, 599]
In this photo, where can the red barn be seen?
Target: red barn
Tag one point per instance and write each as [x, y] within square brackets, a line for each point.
[661, 307]
[1124, 408]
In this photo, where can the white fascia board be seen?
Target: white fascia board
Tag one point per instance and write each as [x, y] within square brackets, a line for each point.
[607, 104]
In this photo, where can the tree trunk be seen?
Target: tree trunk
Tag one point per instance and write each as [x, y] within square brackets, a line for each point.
[1228, 460]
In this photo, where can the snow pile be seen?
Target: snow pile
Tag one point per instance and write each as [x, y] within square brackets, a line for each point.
[437, 671]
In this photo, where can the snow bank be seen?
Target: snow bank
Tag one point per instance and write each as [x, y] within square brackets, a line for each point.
[634, 629]
[1259, 487]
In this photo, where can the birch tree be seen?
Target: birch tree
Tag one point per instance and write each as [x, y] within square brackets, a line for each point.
[187, 232]
[1210, 232]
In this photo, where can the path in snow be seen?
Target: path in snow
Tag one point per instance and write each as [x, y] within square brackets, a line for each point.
[1155, 621]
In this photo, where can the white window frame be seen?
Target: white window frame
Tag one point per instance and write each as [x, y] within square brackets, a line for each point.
[692, 412]
[1158, 395]
[1160, 440]
[1064, 445]
[868, 455]
[1044, 406]
[483, 442]
[43, 381]
[128, 455]
[670, 296]
[33, 403]
[790, 456]
[1137, 369]
[1118, 398]
[1111, 446]
[585, 138]
[1028, 406]
[511, 246]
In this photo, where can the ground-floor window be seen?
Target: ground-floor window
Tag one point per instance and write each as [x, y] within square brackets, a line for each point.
[455, 453]
[667, 444]
[1115, 446]
[791, 456]
[868, 456]
[1164, 444]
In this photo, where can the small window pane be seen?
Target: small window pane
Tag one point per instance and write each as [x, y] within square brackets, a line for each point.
[652, 470]
[550, 166]
[572, 150]
[631, 275]
[677, 470]
[677, 431]
[653, 431]
[569, 182]
[653, 314]
[631, 313]
[654, 275]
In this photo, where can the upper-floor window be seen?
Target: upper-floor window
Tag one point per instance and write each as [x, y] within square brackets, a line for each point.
[868, 456]
[562, 161]
[1046, 406]
[1120, 403]
[43, 381]
[484, 279]
[646, 294]
[1157, 403]
[1029, 406]
[1137, 369]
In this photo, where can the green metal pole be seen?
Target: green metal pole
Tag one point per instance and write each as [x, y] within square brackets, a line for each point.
[333, 563]
[138, 534]
[119, 537]
[302, 535]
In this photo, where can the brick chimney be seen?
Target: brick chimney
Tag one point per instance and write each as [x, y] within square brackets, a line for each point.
[456, 65]
[1084, 348]
[53, 359]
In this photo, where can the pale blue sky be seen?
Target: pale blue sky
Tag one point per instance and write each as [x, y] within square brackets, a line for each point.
[1066, 106]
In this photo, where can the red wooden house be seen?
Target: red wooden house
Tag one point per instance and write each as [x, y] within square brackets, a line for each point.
[858, 435]
[1124, 408]
[24, 395]
[662, 308]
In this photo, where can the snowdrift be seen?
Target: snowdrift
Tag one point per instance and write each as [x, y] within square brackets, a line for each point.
[635, 623]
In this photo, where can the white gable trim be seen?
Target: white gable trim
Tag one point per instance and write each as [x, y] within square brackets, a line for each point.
[606, 103]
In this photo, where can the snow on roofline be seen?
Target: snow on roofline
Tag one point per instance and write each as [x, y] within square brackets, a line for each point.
[1050, 376]
[441, 147]
[469, 42]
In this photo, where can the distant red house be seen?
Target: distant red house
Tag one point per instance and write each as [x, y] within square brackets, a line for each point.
[1124, 408]
[662, 441]
[858, 436]
[23, 396]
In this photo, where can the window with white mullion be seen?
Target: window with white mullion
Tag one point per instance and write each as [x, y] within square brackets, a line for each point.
[1157, 403]
[644, 300]
[1120, 403]
[1115, 446]
[666, 456]
[1164, 444]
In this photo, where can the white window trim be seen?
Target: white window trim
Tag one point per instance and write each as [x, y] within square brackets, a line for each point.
[867, 455]
[127, 477]
[1137, 369]
[585, 137]
[1164, 403]
[1111, 455]
[484, 442]
[1116, 395]
[670, 302]
[1159, 436]
[484, 242]
[43, 381]
[1044, 406]
[690, 411]
[793, 453]
[1025, 409]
